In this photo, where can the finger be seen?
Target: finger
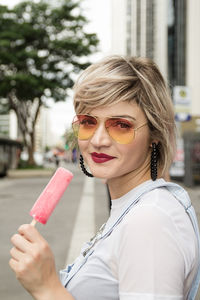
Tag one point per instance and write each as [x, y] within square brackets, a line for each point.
[13, 264]
[30, 233]
[16, 254]
[20, 242]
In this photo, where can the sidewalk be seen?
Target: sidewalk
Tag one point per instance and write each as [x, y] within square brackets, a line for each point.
[23, 173]
[46, 172]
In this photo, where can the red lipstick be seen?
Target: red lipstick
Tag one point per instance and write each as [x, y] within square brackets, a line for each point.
[101, 157]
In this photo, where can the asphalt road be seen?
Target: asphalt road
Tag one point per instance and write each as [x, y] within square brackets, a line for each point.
[17, 195]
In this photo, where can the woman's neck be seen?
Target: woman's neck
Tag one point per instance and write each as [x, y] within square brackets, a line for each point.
[119, 186]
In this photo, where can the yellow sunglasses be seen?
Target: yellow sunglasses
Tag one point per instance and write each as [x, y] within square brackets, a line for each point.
[119, 129]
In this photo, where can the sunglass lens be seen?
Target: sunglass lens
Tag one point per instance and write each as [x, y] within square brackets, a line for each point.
[86, 126]
[121, 130]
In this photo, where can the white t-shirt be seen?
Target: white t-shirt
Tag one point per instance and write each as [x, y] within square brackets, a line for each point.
[151, 254]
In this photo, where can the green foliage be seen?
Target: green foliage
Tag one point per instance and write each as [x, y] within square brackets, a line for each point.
[41, 47]
[23, 164]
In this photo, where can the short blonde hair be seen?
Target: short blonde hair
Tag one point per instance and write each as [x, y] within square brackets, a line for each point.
[115, 79]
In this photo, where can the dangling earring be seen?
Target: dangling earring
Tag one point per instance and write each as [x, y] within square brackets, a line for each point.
[83, 167]
[154, 155]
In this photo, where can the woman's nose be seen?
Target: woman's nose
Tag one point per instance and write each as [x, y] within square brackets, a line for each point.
[101, 137]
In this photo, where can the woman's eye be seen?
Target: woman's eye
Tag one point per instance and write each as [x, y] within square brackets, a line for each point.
[87, 122]
[123, 125]
[83, 122]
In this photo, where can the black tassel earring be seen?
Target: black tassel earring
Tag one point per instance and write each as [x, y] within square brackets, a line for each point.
[83, 167]
[154, 157]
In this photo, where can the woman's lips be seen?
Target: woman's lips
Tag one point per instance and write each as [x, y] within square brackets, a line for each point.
[101, 157]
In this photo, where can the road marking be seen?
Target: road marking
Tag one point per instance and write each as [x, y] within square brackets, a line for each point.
[84, 227]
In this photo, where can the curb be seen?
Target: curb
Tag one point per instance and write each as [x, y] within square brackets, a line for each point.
[29, 173]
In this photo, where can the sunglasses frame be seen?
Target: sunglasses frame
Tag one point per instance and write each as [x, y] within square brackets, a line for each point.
[107, 118]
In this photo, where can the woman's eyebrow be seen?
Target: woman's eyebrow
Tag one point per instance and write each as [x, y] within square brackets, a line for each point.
[117, 116]
[124, 116]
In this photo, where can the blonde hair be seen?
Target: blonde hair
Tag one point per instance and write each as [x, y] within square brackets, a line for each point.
[115, 79]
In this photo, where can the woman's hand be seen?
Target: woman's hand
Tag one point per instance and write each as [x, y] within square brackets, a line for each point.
[33, 261]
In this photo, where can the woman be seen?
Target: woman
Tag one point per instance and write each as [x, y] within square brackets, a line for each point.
[149, 247]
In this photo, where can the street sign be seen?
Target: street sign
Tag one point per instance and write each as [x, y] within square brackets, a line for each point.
[182, 103]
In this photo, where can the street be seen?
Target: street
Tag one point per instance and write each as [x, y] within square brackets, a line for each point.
[17, 195]
[81, 211]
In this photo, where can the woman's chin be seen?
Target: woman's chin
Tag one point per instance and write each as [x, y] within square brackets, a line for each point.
[101, 175]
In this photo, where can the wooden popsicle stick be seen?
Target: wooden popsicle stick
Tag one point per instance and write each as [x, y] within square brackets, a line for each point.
[33, 222]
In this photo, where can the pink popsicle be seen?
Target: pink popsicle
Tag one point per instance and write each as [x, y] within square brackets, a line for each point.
[49, 198]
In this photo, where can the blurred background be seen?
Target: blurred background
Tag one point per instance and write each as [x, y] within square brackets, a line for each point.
[45, 45]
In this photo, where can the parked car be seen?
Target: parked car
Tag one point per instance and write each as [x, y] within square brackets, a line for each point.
[9, 154]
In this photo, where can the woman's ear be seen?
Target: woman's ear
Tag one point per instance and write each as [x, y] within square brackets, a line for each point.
[154, 141]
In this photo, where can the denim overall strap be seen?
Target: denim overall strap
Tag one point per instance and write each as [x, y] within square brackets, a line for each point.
[182, 196]
[143, 189]
[195, 284]
[179, 193]
[67, 274]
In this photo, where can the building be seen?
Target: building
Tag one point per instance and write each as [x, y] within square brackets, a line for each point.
[142, 28]
[192, 53]
[44, 137]
[168, 31]
[8, 125]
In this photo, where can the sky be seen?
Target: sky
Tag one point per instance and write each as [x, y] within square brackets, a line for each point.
[98, 13]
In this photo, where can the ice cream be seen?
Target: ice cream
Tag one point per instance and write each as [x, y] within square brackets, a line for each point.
[49, 198]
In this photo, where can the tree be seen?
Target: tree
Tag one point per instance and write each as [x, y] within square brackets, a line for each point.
[41, 48]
